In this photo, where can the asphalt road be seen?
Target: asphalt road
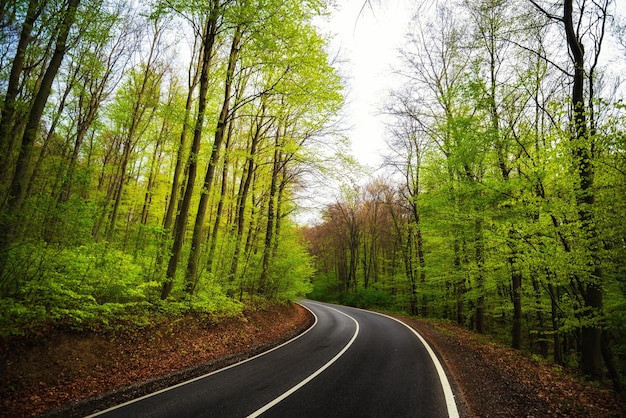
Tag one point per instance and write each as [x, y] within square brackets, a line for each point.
[350, 363]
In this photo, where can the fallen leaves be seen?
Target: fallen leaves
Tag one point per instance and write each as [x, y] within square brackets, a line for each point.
[499, 381]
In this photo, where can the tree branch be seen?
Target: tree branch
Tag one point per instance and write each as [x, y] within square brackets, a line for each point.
[543, 57]
[545, 12]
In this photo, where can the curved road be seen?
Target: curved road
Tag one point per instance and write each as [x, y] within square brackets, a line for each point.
[350, 363]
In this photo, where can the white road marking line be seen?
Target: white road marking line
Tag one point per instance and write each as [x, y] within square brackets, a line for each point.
[453, 412]
[104, 411]
[312, 376]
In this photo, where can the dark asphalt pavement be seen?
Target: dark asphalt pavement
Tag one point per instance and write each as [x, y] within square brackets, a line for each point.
[350, 363]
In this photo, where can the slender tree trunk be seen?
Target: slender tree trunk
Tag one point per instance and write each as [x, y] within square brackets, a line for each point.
[177, 185]
[119, 188]
[152, 175]
[220, 131]
[556, 334]
[419, 248]
[516, 290]
[172, 204]
[220, 204]
[267, 248]
[49, 135]
[110, 157]
[7, 135]
[591, 343]
[242, 195]
[479, 256]
[192, 165]
[541, 336]
[19, 182]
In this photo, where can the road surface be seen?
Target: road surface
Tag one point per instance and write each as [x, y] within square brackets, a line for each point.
[350, 363]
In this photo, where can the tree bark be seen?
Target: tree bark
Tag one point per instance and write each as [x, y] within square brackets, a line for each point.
[19, 182]
[242, 195]
[591, 347]
[178, 168]
[220, 131]
[220, 203]
[192, 165]
[7, 138]
[267, 249]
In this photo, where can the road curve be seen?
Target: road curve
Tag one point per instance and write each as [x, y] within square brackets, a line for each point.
[350, 363]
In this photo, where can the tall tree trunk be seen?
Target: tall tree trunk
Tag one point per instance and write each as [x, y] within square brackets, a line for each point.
[172, 204]
[410, 271]
[556, 334]
[244, 189]
[419, 249]
[177, 185]
[19, 182]
[516, 295]
[119, 188]
[220, 203]
[220, 131]
[460, 288]
[50, 134]
[7, 135]
[591, 343]
[541, 337]
[267, 248]
[192, 165]
[479, 258]
[152, 175]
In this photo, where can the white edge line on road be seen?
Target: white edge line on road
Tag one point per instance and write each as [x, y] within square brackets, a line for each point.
[312, 376]
[453, 412]
[104, 411]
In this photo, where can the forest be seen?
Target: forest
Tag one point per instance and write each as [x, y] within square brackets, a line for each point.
[152, 155]
[502, 203]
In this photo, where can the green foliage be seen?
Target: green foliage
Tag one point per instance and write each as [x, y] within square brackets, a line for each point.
[369, 298]
[79, 286]
[292, 269]
[88, 247]
[325, 288]
[519, 208]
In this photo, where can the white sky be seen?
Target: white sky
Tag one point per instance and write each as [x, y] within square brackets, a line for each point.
[368, 41]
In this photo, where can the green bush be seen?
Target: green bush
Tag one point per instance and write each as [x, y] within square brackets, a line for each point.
[80, 287]
[368, 298]
[291, 270]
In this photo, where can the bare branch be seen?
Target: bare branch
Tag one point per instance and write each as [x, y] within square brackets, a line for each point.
[543, 57]
[545, 12]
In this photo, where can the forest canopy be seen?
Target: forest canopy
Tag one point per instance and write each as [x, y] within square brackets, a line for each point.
[152, 155]
[502, 206]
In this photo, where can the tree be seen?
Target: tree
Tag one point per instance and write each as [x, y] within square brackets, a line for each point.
[209, 36]
[20, 175]
[582, 138]
[408, 147]
[220, 132]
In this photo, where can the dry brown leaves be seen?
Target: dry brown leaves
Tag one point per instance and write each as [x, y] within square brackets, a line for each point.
[493, 380]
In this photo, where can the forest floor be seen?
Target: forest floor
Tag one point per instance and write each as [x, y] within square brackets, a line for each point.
[65, 373]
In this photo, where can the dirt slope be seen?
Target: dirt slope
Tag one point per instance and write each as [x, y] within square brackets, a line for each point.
[496, 381]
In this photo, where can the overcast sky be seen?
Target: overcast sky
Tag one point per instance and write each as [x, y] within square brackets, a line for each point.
[367, 41]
